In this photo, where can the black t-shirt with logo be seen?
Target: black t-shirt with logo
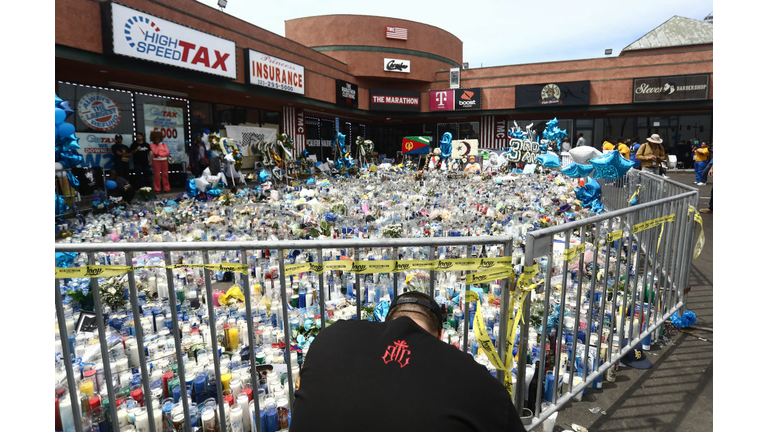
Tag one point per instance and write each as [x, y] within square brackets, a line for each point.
[396, 377]
[140, 153]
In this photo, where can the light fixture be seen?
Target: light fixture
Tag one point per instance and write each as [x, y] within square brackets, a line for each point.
[222, 3]
[608, 51]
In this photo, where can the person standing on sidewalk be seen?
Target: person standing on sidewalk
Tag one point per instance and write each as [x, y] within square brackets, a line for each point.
[160, 154]
[711, 194]
[701, 159]
[140, 150]
[651, 154]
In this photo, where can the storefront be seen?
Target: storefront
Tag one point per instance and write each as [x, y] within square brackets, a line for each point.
[202, 70]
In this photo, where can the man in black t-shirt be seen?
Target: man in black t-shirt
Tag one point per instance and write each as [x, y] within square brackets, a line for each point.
[397, 376]
[121, 155]
[140, 149]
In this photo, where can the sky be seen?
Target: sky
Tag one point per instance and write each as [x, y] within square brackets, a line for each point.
[499, 32]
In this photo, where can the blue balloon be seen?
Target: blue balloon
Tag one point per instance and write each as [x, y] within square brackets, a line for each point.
[263, 176]
[446, 145]
[575, 170]
[611, 165]
[65, 129]
[67, 110]
[191, 187]
[549, 160]
[110, 184]
[60, 116]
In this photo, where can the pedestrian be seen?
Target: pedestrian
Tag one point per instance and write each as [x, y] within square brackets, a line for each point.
[608, 144]
[122, 187]
[159, 161]
[566, 145]
[121, 155]
[140, 150]
[396, 375]
[700, 161]
[709, 162]
[624, 148]
[633, 148]
[580, 141]
[711, 194]
[194, 155]
[651, 154]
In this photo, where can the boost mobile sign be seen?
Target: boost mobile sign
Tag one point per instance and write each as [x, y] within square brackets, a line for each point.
[143, 36]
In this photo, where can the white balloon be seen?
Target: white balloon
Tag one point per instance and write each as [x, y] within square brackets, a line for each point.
[583, 154]
[201, 184]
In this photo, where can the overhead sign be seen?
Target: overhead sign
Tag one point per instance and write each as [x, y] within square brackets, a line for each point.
[416, 145]
[267, 71]
[398, 33]
[454, 78]
[346, 94]
[552, 94]
[671, 88]
[395, 100]
[396, 65]
[456, 100]
[147, 37]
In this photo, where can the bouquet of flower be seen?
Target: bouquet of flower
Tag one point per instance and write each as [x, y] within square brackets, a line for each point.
[146, 194]
[394, 230]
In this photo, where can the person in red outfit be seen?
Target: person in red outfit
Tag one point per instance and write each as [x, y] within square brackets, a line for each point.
[159, 161]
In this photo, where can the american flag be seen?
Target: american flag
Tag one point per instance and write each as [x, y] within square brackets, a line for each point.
[397, 33]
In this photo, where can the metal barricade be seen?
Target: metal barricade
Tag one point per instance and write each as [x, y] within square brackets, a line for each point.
[654, 233]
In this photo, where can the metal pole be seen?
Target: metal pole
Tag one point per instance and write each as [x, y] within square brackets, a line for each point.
[177, 337]
[286, 324]
[251, 342]
[140, 342]
[321, 289]
[214, 342]
[64, 337]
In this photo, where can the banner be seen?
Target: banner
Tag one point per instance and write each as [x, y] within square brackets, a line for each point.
[416, 145]
[249, 136]
[96, 148]
[563, 94]
[524, 151]
[170, 122]
[493, 132]
[147, 37]
[267, 71]
[464, 148]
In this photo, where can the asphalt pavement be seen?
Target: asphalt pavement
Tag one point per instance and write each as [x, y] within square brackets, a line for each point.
[676, 393]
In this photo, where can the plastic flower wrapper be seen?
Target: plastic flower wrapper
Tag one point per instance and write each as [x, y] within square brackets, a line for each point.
[688, 318]
[418, 281]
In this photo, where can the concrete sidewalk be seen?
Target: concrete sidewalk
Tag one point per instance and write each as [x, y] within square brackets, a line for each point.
[676, 393]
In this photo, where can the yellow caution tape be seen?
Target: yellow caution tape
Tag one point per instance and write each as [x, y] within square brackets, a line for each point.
[92, 271]
[572, 253]
[614, 236]
[700, 241]
[397, 266]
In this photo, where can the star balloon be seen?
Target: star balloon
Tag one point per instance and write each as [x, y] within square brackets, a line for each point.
[611, 165]
[549, 160]
[576, 170]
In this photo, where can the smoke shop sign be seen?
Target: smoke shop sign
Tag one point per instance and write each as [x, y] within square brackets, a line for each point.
[143, 36]
[276, 73]
[671, 88]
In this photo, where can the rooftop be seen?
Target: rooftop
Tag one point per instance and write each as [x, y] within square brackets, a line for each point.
[676, 31]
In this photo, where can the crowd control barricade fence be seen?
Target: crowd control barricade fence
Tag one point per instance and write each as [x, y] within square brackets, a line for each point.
[617, 275]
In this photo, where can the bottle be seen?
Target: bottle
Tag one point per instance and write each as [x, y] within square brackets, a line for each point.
[270, 415]
[282, 413]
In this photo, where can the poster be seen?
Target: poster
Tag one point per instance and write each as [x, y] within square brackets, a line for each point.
[464, 148]
[249, 136]
[169, 121]
[96, 148]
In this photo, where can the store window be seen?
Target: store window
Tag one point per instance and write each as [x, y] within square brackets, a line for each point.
[167, 116]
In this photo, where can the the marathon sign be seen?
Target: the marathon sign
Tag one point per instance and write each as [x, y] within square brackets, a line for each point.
[346, 94]
[552, 94]
[395, 65]
[671, 88]
[456, 100]
[146, 37]
[276, 73]
[395, 100]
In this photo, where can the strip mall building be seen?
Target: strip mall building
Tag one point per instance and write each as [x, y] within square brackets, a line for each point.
[184, 67]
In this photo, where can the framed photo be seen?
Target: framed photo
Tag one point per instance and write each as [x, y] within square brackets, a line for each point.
[86, 322]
